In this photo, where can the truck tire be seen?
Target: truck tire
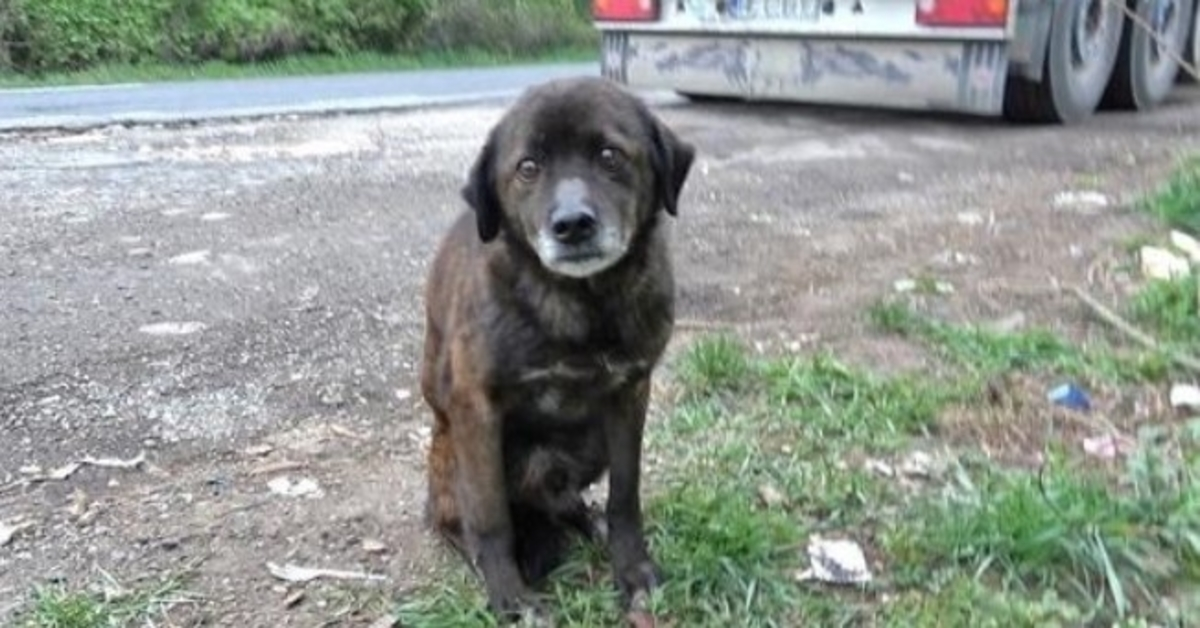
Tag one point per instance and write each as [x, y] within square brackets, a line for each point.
[1084, 39]
[1192, 51]
[1145, 71]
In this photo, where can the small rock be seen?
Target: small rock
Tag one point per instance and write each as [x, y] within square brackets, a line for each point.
[304, 487]
[905, 177]
[373, 546]
[971, 219]
[1186, 244]
[955, 258]
[880, 467]
[403, 394]
[835, 562]
[1080, 199]
[770, 496]
[386, 621]
[1185, 397]
[1160, 263]
[258, 451]
[333, 398]
[140, 252]
[10, 530]
[918, 464]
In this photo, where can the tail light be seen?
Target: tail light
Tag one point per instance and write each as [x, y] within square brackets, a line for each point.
[963, 13]
[625, 10]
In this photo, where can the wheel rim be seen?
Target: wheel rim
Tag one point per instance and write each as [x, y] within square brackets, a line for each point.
[1089, 36]
[1164, 18]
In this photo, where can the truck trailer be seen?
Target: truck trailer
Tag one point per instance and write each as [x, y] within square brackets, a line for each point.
[1056, 61]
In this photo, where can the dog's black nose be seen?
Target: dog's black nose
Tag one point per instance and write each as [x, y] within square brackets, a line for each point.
[572, 226]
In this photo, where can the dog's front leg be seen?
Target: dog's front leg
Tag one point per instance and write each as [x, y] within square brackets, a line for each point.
[477, 435]
[635, 572]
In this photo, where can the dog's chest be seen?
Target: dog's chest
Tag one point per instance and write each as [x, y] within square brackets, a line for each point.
[576, 388]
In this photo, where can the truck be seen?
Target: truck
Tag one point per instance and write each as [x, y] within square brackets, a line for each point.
[1049, 61]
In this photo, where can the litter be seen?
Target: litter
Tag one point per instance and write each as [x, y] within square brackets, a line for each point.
[1070, 396]
[835, 562]
[304, 487]
[294, 573]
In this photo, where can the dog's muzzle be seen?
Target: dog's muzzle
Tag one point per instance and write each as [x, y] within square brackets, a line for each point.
[574, 241]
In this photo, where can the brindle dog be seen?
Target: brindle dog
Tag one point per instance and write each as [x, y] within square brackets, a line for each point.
[548, 306]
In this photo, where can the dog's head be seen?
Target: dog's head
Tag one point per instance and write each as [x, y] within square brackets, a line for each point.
[575, 169]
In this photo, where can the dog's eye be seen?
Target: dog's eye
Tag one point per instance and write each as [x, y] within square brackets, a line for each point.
[528, 169]
[610, 159]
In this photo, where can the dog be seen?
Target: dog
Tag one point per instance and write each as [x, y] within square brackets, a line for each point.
[548, 305]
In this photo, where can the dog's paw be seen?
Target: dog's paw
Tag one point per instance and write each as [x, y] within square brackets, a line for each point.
[521, 607]
[637, 581]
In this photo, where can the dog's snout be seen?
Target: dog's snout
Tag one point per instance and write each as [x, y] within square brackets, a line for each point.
[573, 225]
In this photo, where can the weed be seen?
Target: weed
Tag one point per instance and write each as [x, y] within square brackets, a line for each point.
[1177, 202]
[58, 607]
[715, 364]
[1170, 309]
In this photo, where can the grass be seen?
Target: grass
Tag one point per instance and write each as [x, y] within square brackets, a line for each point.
[114, 605]
[291, 66]
[985, 353]
[1177, 201]
[979, 544]
[1169, 309]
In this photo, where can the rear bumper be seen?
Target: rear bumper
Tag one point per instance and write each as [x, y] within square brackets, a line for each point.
[958, 76]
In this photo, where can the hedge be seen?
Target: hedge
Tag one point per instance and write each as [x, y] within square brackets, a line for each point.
[53, 35]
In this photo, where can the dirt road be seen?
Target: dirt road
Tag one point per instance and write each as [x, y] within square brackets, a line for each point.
[240, 303]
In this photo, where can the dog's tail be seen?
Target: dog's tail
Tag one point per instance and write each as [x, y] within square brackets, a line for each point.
[542, 542]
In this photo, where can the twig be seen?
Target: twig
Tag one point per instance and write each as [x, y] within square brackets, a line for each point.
[1125, 327]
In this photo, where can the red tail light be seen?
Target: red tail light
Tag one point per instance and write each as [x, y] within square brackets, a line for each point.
[964, 13]
[625, 10]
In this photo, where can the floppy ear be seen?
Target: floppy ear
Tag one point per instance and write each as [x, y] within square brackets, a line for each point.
[672, 160]
[480, 191]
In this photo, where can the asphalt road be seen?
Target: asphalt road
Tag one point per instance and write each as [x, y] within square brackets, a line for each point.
[89, 106]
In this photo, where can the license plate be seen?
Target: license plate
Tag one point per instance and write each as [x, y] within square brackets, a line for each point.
[807, 10]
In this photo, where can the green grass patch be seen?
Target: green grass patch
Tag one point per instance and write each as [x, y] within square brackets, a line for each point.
[1170, 310]
[985, 353]
[58, 607]
[301, 65]
[977, 544]
[1112, 552]
[1177, 201]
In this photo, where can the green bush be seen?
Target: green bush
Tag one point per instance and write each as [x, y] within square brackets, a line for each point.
[52, 35]
[508, 26]
[71, 34]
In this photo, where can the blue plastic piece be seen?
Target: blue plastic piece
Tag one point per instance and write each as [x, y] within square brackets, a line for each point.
[1070, 396]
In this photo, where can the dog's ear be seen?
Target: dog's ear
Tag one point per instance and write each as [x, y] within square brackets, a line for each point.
[672, 160]
[480, 191]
